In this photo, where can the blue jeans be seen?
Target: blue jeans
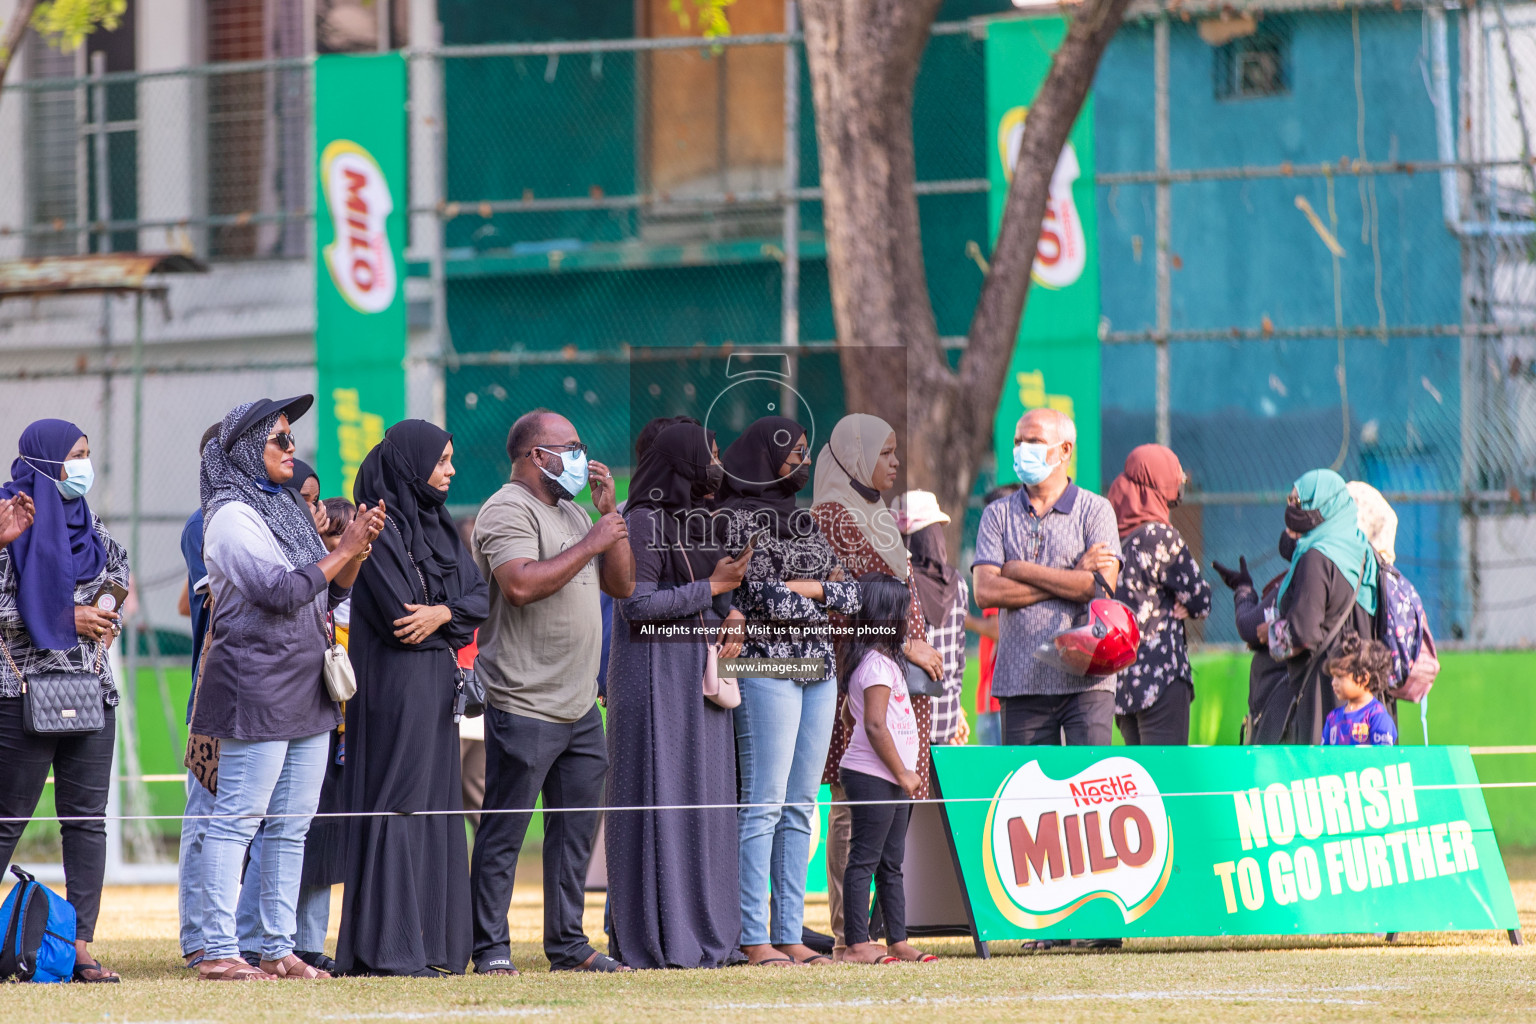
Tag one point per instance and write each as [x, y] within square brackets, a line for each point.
[189, 869]
[280, 778]
[313, 912]
[783, 730]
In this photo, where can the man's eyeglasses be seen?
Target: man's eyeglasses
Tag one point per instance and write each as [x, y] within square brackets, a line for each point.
[285, 442]
[560, 449]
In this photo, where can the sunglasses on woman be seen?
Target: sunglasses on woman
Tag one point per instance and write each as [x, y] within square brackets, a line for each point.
[284, 441]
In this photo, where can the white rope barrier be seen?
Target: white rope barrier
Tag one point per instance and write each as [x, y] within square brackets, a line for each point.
[1432, 787]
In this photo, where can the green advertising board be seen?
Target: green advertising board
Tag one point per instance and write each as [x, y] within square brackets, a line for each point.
[1056, 361]
[1097, 842]
[360, 322]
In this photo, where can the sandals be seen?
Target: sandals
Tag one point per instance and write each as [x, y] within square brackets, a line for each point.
[291, 968]
[232, 969]
[778, 961]
[599, 963]
[102, 975]
[818, 958]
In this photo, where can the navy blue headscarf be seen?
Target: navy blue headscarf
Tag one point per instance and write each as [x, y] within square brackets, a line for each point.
[61, 549]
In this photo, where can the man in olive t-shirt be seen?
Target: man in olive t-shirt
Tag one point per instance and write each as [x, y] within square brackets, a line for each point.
[539, 652]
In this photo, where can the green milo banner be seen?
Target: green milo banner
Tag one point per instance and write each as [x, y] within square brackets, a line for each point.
[360, 324]
[1056, 361]
[1098, 842]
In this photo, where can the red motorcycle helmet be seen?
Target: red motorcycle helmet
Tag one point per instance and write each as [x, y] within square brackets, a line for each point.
[1100, 643]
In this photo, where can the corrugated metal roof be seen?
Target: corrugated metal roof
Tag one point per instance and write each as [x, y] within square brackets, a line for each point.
[103, 272]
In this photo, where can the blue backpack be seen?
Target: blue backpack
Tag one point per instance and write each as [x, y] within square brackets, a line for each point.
[39, 932]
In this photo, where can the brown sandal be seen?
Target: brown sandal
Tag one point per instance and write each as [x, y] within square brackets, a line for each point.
[230, 970]
[291, 968]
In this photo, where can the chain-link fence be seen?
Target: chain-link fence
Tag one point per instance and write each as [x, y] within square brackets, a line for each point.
[1314, 242]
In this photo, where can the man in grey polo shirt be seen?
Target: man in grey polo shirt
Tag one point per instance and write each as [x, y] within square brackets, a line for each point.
[1036, 552]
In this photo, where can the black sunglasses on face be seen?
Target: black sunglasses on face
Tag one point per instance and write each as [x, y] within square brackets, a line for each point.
[285, 442]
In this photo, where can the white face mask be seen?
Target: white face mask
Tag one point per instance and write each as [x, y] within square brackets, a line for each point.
[79, 475]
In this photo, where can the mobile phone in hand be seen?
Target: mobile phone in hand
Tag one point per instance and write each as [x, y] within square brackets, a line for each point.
[110, 598]
[755, 541]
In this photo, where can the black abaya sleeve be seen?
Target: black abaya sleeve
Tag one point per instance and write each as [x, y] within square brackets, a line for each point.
[470, 608]
[1305, 602]
[385, 585]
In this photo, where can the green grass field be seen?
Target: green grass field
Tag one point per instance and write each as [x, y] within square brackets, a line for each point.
[1470, 976]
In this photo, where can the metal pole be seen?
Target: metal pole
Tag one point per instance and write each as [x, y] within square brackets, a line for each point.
[1164, 225]
[439, 265]
[789, 329]
[99, 152]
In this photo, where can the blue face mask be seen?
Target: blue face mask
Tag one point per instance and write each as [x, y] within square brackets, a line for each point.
[573, 478]
[1031, 464]
[79, 475]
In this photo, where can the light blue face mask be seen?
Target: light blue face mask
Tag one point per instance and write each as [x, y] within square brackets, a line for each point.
[573, 478]
[1030, 463]
[79, 475]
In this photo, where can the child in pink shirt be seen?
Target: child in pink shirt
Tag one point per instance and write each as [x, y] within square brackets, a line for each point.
[877, 771]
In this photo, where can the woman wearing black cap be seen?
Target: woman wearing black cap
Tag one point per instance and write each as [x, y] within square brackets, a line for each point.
[418, 600]
[260, 691]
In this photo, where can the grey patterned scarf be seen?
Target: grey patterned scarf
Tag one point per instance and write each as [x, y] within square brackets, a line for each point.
[241, 475]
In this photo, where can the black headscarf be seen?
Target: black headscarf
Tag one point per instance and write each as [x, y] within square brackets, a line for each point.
[302, 471]
[678, 457]
[396, 472]
[234, 470]
[937, 581]
[752, 482]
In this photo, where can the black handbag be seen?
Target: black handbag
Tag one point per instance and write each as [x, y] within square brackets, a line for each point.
[469, 695]
[921, 684]
[60, 703]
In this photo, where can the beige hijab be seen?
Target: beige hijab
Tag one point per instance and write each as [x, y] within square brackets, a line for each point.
[1377, 520]
[856, 443]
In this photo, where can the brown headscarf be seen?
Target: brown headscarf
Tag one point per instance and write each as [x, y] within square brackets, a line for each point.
[1150, 483]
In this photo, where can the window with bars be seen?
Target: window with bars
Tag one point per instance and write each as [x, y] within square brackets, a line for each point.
[1252, 67]
[258, 127]
[81, 156]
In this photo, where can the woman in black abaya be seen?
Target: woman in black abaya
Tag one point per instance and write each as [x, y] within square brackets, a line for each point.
[672, 883]
[406, 910]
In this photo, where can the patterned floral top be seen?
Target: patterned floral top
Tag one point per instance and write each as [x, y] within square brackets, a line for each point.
[859, 557]
[764, 599]
[88, 657]
[1159, 573]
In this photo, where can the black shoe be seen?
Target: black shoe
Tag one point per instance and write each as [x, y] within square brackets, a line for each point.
[254, 959]
[1098, 943]
[812, 939]
[319, 961]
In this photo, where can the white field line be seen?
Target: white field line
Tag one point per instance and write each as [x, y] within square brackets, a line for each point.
[1232, 995]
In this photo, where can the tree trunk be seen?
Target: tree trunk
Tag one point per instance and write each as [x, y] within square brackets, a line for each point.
[15, 32]
[863, 57]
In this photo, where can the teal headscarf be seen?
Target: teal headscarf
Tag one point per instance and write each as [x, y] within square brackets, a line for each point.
[1338, 536]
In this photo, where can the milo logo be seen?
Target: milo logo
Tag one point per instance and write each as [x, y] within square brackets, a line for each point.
[360, 260]
[1052, 845]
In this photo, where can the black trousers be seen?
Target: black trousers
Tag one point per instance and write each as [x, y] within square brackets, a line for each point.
[878, 846]
[82, 772]
[1165, 723]
[1073, 719]
[525, 757]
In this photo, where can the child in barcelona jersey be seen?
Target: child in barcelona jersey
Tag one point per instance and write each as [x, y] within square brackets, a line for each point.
[1359, 679]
